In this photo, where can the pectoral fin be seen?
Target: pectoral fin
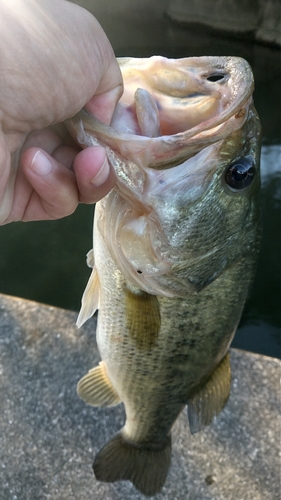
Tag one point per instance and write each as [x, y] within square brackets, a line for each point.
[90, 299]
[143, 318]
[96, 389]
[211, 398]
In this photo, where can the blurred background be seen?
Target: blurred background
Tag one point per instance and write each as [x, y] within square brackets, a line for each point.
[45, 261]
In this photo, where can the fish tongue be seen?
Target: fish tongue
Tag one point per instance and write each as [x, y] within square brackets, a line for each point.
[140, 118]
[147, 113]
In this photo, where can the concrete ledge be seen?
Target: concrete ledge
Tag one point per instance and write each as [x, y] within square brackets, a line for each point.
[49, 437]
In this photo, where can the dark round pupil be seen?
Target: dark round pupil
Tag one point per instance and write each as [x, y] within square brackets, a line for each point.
[240, 174]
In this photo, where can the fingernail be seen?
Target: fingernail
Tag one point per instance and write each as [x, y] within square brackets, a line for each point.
[40, 164]
[102, 174]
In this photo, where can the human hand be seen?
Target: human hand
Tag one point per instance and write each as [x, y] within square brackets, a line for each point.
[55, 59]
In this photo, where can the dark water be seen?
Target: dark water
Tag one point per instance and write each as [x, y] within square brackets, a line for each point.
[45, 261]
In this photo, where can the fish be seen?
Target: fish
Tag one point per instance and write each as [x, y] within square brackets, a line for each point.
[174, 252]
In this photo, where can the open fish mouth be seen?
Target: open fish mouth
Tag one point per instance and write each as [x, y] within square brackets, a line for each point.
[177, 126]
[171, 108]
[168, 96]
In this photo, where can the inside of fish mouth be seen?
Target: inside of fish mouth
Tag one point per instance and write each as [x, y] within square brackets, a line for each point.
[178, 113]
[155, 112]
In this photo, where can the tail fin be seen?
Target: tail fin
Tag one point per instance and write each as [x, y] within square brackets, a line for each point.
[145, 468]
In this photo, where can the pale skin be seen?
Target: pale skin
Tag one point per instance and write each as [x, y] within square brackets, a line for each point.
[55, 59]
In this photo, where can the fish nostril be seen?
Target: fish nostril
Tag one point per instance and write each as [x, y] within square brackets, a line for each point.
[215, 77]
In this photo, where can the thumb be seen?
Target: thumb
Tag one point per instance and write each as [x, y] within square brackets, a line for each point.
[108, 92]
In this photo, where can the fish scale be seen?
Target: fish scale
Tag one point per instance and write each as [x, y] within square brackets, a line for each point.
[175, 249]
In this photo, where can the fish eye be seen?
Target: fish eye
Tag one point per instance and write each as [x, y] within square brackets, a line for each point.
[240, 174]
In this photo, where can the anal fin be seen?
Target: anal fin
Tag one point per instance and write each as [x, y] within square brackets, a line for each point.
[211, 398]
[96, 389]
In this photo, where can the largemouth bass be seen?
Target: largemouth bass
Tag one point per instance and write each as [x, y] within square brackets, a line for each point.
[175, 247]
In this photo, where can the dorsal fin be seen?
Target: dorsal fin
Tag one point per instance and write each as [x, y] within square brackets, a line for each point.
[90, 258]
[90, 299]
[211, 398]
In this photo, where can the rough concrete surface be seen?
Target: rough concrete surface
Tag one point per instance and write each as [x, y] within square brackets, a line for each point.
[49, 437]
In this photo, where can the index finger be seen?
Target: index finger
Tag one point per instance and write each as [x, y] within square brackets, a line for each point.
[108, 93]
